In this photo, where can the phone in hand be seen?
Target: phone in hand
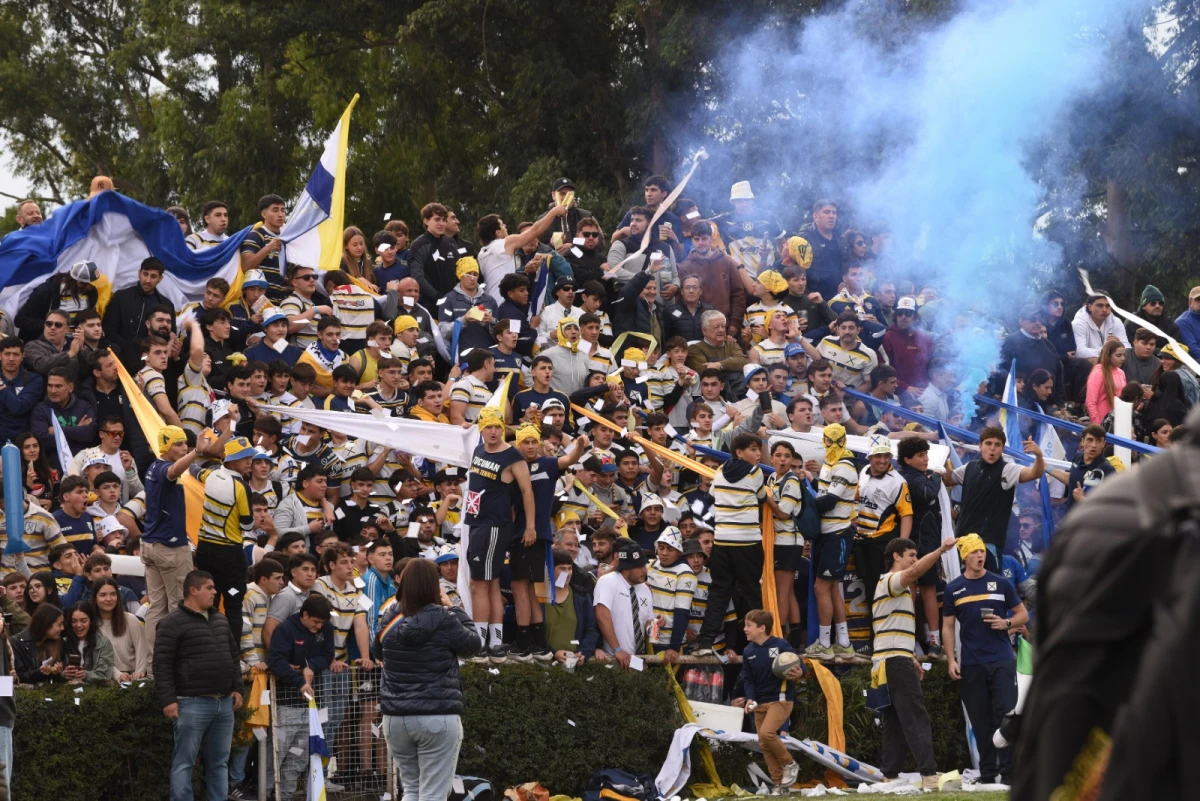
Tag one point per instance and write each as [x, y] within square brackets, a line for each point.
[74, 660]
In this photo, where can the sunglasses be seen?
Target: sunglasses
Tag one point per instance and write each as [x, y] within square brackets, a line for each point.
[308, 277]
[1154, 303]
[905, 313]
[114, 434]
[590, 234]
[52, 324]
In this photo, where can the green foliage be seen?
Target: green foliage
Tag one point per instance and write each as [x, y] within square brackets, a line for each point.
[117, 745]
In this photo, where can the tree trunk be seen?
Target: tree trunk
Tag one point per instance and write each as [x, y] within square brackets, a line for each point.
[1118, 235]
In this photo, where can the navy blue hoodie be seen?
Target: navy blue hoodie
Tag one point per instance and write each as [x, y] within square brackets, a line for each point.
[293, 644]
[759, 683]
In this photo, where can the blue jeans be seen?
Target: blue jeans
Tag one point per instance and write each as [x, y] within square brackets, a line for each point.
[425, 748]
[203, 723]
[6, 756]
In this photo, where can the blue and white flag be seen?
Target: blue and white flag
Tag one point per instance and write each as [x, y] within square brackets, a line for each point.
[318, 754]
[313, 234]
[1011, 421]
[116, 233]
[60, 443]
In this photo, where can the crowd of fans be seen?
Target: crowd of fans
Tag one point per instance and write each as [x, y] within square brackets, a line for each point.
[717, 337]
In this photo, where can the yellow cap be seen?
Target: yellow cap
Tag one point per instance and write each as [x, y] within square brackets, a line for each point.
[635, 354]
[466, 264]
[404, 323]
[773, 281]
[529, 431]
[489, 417]
[801, 251]
[970, 544]
[168, 436]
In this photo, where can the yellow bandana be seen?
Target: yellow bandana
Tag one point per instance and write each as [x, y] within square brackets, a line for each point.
[562, 336]
[835, 444]
[168, 436]
[800, 251]
[403, 323]
[970, 544]
[489, 417]
[466, 264]
[772, 281]
[529, 431]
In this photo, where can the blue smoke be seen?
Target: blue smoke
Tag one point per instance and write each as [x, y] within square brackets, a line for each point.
[944, 132]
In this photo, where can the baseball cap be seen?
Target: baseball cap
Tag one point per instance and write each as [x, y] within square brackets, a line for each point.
[907, 304]
[447, 474]
[564, 281]
[255, 278]
[273, 314]
[261, 453]
[1194, 293]
[238, 448]
[750, 369]
[629, 554]
[553, 403]
[447, 554]
[792, 349]
[85, 271]
[880, 444]
[563, 183]
[1031, 312]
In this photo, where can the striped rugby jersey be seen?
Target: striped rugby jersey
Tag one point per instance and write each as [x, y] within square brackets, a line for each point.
[671, 588]
[473, 392]
[893, 619]
[841, 480]
[789, 496]
[347, 606]
[226, 519]
[736, 506]
[41, 533]
[193, 400]
[770, 352]
[292, 305]
[756, 314]
[355, 310]
[700, 607]
[851, 367]
[254, 614]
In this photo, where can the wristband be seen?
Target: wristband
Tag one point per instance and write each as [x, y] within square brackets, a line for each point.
[619, 650]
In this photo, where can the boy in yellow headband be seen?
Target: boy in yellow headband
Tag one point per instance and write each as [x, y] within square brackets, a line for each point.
[987, 608]
[495, 466]
[836, 501]
[527, 561]
[468, 305]
[769, 287]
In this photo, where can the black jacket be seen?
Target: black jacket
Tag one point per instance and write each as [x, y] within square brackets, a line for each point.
[679, 322]
[420, 662]
[436, 276]
[588, 267]
[125, 321]
[1030, 355]
[28, 664]
[293, 644]
[31, 317]
[629, 311]
[195, 654]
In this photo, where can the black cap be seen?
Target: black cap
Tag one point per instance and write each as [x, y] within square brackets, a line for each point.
[563, 183]
[629, 554]
[449, 474]
[693, 546]
[1031, 312]
[564, 281]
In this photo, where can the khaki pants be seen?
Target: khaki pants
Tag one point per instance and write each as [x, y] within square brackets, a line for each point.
[166, 569]
[769, 718]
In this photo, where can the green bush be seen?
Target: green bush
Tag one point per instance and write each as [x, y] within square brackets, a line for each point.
[116, 744]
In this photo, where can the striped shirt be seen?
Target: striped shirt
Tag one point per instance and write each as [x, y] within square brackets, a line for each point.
[659, 384]
[254, 614]
[355, 310]
[293, 305]
[882, 501]
[601, 360]
[893, 619]
[135, 507]
[348, 604]
[41, 534]
[671, 588]
[851, 367]
[700, 607]
[473, 392]
[395, 405]
[756, 314]
[789, 496]
[736, 505]
[269, 494]
[193, 400]
[770, 352]
[153, 383]
[841, 480]
[404, 354]
[226, 519]
[256, 240]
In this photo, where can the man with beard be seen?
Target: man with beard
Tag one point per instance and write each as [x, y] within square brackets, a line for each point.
[127, 312]
[1152, 309]
[588, 258]
[720, 286]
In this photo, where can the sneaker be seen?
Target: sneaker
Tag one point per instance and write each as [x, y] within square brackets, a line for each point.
[703, 649]
[236, 794]
[498, 654]
[929, 783]
[776, 790]
[818, 651]
[482, 659]
[790, 774]
[842, 652]
[519, 655]
[542, 654]
[865, 650]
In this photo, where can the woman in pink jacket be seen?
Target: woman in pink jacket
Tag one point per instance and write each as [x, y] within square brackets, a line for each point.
[1105, 381]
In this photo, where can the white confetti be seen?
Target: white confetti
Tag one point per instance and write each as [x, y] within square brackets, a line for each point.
[570, 721]
[265, 698]
[494, 671]
[323, 715]
[78, 689]
[375, 729]
[297, 751]
[76, 702]
[233, 591]
[576, 252]
[691, 215]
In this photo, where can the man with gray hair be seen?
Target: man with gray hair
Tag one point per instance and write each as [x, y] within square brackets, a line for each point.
[718, 351]
[410, 304]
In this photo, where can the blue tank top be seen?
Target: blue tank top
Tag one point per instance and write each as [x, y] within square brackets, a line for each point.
[543, 477]
[489, 498]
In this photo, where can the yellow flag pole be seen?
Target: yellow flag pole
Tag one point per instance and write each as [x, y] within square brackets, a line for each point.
[666, 453]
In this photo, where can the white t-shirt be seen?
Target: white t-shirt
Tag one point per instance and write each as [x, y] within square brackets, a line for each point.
[494, 264]
[612, 591]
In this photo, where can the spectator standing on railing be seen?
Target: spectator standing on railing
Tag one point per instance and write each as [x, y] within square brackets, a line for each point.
[421, 696]
[199, 681]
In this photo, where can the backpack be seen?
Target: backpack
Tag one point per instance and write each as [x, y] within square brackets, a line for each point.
[616, 785]
[808, 519]
[471, 788]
